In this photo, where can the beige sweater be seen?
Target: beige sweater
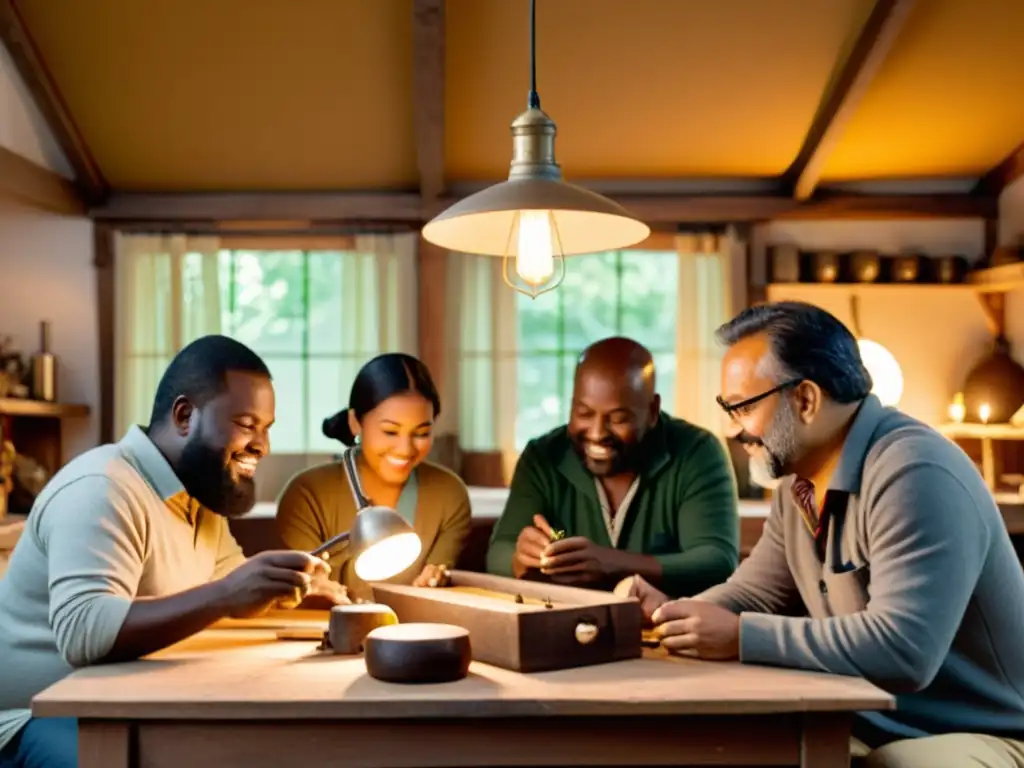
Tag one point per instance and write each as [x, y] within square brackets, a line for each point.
[114, 524]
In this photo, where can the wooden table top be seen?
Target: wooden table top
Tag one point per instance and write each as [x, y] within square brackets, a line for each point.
[249, 674]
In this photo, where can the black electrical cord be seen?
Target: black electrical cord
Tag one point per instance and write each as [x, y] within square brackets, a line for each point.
[533, 101]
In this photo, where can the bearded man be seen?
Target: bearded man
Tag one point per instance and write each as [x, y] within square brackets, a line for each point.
[622, 488]
[127, 549]
[884, 555]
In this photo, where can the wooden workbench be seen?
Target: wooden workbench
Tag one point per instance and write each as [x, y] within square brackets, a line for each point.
[241, 698]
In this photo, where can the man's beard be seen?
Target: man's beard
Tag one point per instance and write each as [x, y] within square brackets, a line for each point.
[207, 479]
[778, 448]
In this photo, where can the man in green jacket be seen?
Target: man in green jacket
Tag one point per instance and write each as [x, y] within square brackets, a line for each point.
[622, 489]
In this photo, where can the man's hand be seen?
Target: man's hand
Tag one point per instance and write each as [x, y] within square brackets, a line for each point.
[696, 628]
[578, 560]
[268, 578]
[432, 576]
[530, 545]
[323, 595]
[651, 598]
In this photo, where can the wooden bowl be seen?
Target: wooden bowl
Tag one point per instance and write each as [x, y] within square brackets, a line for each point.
[350, 624]
[417, 653]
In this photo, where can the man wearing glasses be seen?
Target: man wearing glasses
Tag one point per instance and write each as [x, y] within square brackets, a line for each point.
[884, 554]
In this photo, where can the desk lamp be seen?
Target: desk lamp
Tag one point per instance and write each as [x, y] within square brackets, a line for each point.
[381, 541]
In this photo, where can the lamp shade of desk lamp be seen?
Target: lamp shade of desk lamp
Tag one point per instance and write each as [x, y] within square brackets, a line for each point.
[380, 541]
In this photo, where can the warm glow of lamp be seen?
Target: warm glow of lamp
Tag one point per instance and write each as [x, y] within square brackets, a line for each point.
[535, 218]
[388, 557]
[535, 257]
[957, 409]
[381, 541]
[884, 369]
[984, 412]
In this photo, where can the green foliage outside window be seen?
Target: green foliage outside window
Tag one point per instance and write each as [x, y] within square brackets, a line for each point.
[627, 293]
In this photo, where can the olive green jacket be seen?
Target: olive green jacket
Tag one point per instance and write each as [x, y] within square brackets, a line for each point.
[685, 512]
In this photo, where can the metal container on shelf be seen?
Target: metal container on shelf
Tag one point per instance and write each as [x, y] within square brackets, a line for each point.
[44, 368]
[866, 267]
[828, 266]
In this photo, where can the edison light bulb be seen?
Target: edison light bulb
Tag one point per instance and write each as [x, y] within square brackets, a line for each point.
[535, 258]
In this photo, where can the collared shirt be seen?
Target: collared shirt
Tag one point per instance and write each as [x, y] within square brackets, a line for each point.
[917, 586]
[614, 518]
[114, 524]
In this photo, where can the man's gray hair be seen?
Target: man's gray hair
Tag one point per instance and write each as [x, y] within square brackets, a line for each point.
[806, 343]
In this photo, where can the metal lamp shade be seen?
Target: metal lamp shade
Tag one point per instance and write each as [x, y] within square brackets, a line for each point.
[382, 543]
[484, 223]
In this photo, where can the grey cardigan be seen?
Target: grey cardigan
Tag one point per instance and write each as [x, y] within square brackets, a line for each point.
[921, 591]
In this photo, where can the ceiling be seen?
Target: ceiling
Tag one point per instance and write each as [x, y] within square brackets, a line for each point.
[202, 95]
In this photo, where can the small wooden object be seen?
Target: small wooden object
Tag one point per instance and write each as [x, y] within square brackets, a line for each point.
[550, 627]
[350, 624]
[418, 653]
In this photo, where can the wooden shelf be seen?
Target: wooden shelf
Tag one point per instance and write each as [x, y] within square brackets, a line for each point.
[13, 406]
[982, 431]
[870, 287]
[1001, 279]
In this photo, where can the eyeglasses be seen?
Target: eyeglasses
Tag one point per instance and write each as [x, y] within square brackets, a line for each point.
[743, 405]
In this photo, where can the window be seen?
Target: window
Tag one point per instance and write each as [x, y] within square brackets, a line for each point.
[628, 293]
[315, 316]
[286, 305]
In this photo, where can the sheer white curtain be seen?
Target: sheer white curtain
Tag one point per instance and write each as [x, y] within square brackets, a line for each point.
[169, 289]
[706, 265]
[384, 318]
[375, 284]
[377, 298]
[483, 328]
[167, 293]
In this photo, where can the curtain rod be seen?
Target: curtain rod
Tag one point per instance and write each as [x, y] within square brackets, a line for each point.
[219, 230]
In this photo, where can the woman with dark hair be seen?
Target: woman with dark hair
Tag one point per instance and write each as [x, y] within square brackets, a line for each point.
[388, 431]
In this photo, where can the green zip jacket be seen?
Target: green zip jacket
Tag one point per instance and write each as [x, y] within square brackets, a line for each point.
[685, 512]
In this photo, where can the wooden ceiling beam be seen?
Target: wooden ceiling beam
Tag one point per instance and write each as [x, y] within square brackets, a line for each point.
[39, 187]
[428, 95]
[1003, 175]
[848, 87]
[408, 208]
[30, 65]
[260, 206]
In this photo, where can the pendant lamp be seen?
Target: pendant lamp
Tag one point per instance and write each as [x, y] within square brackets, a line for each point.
[534, 219]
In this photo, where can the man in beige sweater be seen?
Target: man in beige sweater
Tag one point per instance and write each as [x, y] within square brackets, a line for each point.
[127, 549]
[884, 554]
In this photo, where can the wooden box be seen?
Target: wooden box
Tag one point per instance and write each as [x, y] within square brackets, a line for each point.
[581, 626]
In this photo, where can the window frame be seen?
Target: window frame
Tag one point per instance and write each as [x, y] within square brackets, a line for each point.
[661, 244]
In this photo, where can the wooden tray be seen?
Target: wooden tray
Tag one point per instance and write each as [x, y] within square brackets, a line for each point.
[581, 626]
[279, 619]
